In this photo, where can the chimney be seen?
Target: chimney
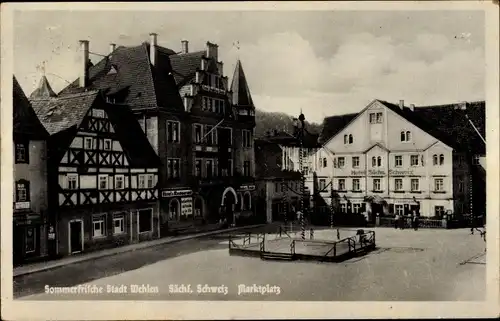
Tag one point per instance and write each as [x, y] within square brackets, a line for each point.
[112, 47]
[212, 50]
[152, 48]
[185, 46]
[401, 104]
[412, 107]
[84, 59]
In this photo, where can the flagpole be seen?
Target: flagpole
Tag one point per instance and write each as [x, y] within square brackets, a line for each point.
[211, 130]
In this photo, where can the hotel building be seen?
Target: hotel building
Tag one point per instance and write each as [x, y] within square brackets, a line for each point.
[390, 159]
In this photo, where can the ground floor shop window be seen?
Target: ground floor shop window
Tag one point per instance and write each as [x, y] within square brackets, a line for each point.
[356, 208]
[439, 211]
[343, 208]
[30, 245]
[399, 209]
[145, 220]
[99, 225]
[118, 224]
[247, 202]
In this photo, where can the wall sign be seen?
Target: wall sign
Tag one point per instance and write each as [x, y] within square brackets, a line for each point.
[22, 205]
[246, 188]
[176, 193]
[186, 206]
[378, 172]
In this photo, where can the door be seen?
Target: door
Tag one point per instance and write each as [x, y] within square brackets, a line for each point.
[76, 242]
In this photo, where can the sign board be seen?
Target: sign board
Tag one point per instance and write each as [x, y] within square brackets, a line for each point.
[247, 188]
[176, 193]
[186, 206]
[372, 172]
[22, 205]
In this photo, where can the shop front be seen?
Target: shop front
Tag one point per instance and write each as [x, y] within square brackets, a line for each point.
[29, 237]
[180, 208]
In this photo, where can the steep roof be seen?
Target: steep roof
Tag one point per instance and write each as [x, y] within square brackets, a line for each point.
[333, 124]
[63, 115]
[136, 82]
[239, 87]
[25, 120]
[59, 114]
[287, 139]
[268, 161]
[447, 123]
[44, 90]
[185, 65]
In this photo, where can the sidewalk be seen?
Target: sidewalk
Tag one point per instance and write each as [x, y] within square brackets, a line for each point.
[45, 266]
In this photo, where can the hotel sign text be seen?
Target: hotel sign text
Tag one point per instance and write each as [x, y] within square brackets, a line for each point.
[372, 172]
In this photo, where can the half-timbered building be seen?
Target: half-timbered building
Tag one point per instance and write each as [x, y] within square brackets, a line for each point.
[102, 173]
[199, 126]
[30, 180]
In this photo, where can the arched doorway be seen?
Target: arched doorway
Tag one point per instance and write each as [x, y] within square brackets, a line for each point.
[229, 200]
[174, 210]
[247, 201]
[198, 207]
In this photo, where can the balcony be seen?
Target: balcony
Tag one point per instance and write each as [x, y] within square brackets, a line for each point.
[22, 206]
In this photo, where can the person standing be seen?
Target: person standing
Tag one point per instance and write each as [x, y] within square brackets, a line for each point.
[415, 221]
[396, 221]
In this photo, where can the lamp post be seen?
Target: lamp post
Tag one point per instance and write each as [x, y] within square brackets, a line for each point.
[331, 205]
[300, 126]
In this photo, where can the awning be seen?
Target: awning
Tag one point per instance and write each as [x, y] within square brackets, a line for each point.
[375, 199]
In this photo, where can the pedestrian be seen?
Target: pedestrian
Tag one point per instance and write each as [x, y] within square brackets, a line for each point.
[415, 222]
[396, 221]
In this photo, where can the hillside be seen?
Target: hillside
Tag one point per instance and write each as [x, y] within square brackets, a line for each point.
[269, 121]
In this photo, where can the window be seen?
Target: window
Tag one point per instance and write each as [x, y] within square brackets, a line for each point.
[379, 161]
[372, 118]
[276, 187]
[230, 167]
[439, 211]
[398, 160]
[350, 139]
[398, 184]
[72, 181]
[374, 161]
[476, 160]
[209, 135]
[343, 208]
[460, 185]
[434, 159]
[246, 169]
[22, 191]
[197, 168]
[341, 162]
[441, 159]
[355, 184]
[103, 181]
[145, 220]
[141, 181]
[405, 136]
[119, 182]
[209, 168]
[346, 139]
[438, 184]
[355, 162]
[107, 144]
[341, 184]
[414, 160]
[173, 131]
[118, 224]
[98, 113]
[376, 184]
[247, 138]
[173, 168]
[356, 207]
[151, 181]
[376, 118]
[99, 226]
[89, 143]
[415, 185]
[379, 117]
[30, 245]
[22, 153]
[197, 133]
[322, 185]
[325, 163]
[399, 209]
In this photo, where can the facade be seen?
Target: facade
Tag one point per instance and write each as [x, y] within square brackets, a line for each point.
[201, 129]
[30, 181]
[278, 190]
[102, 174]
[391, 159]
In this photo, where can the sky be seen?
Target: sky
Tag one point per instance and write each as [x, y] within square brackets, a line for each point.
[321, 62]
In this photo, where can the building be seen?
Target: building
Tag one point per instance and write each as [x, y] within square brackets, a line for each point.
[201, 129]
[30, 180]
[102, 173]
[393, 158]
[278, 190]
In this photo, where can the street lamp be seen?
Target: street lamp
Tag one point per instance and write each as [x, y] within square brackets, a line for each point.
[299, 125]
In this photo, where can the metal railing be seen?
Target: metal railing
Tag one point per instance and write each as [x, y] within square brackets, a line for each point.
[422, 222]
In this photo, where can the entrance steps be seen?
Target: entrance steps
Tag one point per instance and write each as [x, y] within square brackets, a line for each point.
[277, 256]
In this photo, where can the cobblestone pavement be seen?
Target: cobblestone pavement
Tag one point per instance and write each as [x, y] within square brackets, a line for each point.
[408, 265]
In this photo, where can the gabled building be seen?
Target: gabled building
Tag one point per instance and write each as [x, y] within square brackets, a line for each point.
[102, 173]
[30, 180]
[392, 158]
[201, 131]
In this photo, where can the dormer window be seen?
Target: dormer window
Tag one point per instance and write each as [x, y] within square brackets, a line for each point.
[476, 160]
[405, 136]
[112, 70]
[348, 139]
[376, 118]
